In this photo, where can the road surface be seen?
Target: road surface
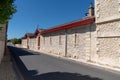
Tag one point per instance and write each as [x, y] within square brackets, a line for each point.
[38, 66]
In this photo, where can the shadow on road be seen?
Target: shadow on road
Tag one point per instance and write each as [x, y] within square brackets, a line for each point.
[33, 74]
[62, 76]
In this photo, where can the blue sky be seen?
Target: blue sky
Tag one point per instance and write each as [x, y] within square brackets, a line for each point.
[45, 13]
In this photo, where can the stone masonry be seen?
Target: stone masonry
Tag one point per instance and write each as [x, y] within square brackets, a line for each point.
[33, 43]
[108, 32]
[77, 44]
[24, 43]
[3, 34]
[53, 43]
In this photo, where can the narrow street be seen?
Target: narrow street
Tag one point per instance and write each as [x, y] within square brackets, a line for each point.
[38, 66]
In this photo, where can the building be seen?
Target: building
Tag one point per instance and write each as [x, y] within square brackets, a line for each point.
[108, 32]
[72, 39]
[93, 38]
[32, 40]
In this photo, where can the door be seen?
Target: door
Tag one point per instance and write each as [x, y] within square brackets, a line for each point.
[38, 43]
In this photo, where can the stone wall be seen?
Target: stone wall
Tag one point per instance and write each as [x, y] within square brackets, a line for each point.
[108, 39]
[53, 43]
[97, 42]
[3, 34]
[107, 10]
[24, 43]
[18, 45]
[78, 44]
[32, 43]
[108, 32]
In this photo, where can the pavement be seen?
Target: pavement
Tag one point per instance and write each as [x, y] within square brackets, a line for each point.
[39, 66]
[100, 66]
[8, 69]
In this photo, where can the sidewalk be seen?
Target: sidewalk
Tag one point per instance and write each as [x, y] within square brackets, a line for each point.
[8, 69]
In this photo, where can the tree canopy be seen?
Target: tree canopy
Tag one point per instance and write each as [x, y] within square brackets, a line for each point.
[16, 41]
[7, 9]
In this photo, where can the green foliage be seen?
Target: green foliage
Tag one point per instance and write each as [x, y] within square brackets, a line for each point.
[0, 28]
[7, 9]
[16, 41]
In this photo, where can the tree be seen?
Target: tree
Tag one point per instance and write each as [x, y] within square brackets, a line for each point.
[7, 9]
[16, 41]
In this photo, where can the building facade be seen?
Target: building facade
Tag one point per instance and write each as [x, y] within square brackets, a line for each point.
[70, 40]
[32, 40]
[108, 31]
[93, 38]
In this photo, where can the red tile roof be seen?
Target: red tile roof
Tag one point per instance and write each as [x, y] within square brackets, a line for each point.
[38, 31]
[31, 35]
[77, 23]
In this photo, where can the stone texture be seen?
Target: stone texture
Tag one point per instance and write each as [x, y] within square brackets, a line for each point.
[2, 40]
[24, 43]
[108, 32]
[108, 39]
[81, 48]
[50, 43]
[78, 47]
[109, 51]
[110, 29]
[106, 10]
[33, 43]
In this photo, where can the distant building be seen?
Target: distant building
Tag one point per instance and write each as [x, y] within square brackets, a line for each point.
[32, 40]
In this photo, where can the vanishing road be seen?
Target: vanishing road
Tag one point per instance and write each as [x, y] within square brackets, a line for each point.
[38, 66]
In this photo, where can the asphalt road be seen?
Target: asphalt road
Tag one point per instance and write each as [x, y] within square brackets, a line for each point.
[34, 66]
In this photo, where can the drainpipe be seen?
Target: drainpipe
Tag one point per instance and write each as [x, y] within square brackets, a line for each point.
[65, 42]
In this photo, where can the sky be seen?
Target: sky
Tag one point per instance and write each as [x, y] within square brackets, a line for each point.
[44, 14]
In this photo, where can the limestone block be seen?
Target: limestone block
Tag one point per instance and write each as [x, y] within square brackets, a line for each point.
[109, 29]
[109, 51]
[106, 10]
[52, 45]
